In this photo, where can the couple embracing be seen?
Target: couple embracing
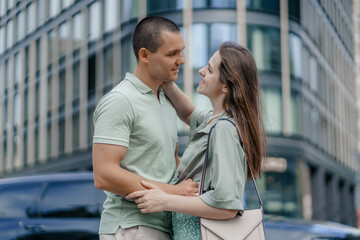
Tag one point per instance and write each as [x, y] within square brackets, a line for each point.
[151, 194]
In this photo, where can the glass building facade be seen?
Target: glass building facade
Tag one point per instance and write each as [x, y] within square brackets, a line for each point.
[59, 57]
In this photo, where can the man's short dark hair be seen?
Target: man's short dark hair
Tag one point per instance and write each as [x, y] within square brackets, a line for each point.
[147, 33]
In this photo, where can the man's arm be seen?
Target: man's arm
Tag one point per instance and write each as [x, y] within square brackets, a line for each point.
[109, 176]
[182, 104]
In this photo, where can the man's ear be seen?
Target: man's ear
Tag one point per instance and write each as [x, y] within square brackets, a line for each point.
[144, 55]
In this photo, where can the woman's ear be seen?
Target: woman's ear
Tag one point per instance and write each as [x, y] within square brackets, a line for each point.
[144, 55]
[224, 89]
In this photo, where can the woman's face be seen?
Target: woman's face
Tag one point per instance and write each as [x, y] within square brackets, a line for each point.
[210, 85]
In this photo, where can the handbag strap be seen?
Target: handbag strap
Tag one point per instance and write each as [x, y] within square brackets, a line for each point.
[206, 160]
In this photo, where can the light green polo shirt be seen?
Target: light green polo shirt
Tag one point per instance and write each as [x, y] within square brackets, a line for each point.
[226, 171]
[130, 115]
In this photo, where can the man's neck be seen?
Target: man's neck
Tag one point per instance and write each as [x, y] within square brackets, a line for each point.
[145, 78]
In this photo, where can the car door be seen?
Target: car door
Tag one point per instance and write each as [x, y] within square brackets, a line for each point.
[68, 210]
[17, 202]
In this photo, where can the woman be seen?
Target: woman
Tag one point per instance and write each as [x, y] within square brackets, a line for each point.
[230, 81]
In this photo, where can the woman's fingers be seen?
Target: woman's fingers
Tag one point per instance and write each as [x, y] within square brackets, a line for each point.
[148, 185]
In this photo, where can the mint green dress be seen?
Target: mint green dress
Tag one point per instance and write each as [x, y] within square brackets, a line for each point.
[225, 174]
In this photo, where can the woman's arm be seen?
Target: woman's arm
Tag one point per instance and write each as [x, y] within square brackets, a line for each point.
[156, 200]
[183, 105]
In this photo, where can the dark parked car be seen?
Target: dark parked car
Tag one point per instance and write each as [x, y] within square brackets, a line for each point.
[279, 228]
[67, 206]
[57, 206]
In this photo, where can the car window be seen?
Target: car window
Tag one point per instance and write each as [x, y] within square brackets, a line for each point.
[18, 200]
[70, 199]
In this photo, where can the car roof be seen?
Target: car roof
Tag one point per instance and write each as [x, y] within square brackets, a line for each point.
[50, 177]
[312, 226]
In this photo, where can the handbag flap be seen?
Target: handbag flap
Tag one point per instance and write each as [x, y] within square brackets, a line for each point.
[240, 226]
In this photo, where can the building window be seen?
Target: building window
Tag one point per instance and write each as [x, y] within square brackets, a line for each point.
[2, 39]
[66, 3]
[214, 4]
[26, 105]
[296, 109]
[41, 12]
[264, 43]
[91, 77]
[163, 5]
[313, 74]
[36, 145]
[62, 89]
[128, 60]
[263, 5]
[63, 39]
[295, 55]
[51, 45]
[38, 56]
[108, 68]
[30, 18]
[61, 136]
[7, 74]
[5, 114]
[48, 140]
[20, 25]
[76, 81]
[271, 97]
[77, 30]
[9, 34]
[54, 8]
[37, 102]
[18, 69]
[16, 112]
[76, 131]
[129, 10]
[2, 7]
[26, 73]
[94, 30]
[110, 15]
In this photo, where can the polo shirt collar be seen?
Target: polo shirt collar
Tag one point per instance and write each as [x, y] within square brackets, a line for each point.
[140, 85]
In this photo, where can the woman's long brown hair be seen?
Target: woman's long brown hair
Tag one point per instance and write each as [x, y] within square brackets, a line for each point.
[243, 101]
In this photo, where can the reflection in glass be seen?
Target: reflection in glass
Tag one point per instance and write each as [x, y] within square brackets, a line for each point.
[272, 104]
[14, 202]
[77, 30]
[264, 43]
[94, 30]
[110, 14]
[20, 25]
[74, 200]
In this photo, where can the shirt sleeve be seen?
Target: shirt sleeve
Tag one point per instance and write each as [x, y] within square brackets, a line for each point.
[197, 117]
[226, 169]
[113, 120]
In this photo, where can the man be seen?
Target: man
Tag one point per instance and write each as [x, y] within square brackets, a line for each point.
[135, 134]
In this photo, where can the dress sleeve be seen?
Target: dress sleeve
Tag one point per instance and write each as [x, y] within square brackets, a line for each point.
[226, 170]
[113, 120]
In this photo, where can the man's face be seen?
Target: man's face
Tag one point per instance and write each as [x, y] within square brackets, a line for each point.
[165, 63]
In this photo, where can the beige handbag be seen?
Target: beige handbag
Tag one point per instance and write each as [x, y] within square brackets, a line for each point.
[249, 226]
